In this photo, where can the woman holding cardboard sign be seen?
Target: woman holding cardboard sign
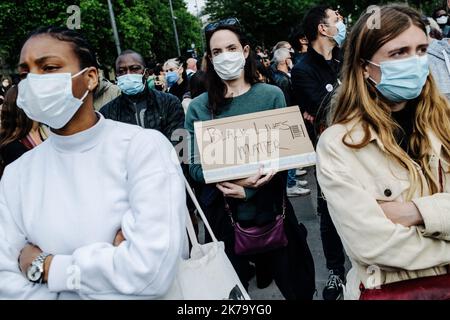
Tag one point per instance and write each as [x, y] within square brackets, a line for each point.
[257, 203]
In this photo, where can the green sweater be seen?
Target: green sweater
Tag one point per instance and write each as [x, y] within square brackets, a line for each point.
[260, 97]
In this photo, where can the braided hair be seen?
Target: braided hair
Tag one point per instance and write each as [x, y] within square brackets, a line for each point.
[82, 49]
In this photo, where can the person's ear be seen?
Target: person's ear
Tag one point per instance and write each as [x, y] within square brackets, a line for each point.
[322, 29]
[246, 51]
[365, 69]
[145, 74]
[92, 78]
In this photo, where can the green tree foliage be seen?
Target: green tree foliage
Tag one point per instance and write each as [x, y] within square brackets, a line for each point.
[269, 21]
[265, 21]
[143, 25]
[18, 18]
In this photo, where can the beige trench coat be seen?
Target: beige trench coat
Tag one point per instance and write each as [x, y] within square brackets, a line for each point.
[353, 182]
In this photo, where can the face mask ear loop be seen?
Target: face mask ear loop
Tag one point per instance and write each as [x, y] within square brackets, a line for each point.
[370, 78]
[81, 72]
[373, 63]
[85, 95]
[76, 75]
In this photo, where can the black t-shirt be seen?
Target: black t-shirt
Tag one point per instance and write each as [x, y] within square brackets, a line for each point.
[405, 118]
[179, 90]
[330, 63]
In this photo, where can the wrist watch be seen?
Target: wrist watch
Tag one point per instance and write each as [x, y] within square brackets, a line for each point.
[35, 272]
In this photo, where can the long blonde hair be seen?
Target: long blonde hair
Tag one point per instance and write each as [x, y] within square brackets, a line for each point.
[358, 99]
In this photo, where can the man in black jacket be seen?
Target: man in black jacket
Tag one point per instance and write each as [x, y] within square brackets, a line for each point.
[314, 79]
[148, 108]
[315, 76]
[140, 105]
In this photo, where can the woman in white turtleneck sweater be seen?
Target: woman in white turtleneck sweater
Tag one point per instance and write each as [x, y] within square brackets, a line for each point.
[97, 210]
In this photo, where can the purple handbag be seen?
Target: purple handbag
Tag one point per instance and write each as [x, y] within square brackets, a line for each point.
[259, 239]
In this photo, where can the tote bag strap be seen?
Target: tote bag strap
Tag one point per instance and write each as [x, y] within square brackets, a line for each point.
[191, 230]
[201, 213]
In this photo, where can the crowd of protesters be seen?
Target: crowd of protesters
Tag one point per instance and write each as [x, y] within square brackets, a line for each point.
[84, 184]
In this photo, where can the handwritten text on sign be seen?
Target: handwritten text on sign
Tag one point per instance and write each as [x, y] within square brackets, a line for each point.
[235, 147]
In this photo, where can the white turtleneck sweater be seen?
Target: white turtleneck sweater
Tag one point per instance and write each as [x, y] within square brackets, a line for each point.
[70, 196]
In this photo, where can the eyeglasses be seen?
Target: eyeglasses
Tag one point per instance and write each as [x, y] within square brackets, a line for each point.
[222, 23]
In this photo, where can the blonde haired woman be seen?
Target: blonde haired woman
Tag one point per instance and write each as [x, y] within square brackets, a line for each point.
[176, 78]
[383, 164]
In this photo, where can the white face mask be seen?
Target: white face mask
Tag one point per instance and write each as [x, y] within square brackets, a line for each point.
[229, 65]
[442, 20]
[48, 98]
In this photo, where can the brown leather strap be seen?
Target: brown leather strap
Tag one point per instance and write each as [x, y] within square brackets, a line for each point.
[27, 142]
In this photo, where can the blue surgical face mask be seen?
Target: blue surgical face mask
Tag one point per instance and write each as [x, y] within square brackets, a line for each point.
[131, 84]
[172, 77]
[402, 80]
[341, 35]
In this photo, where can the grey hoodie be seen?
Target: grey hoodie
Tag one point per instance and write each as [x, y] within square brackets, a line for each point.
[104, 93]
[438, 51]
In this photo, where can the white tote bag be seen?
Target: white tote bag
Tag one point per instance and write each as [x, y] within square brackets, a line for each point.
[208, 273]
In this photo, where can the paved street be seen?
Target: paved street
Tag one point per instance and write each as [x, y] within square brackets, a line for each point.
[305, 208]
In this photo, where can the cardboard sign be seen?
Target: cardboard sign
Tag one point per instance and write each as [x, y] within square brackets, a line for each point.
[236, 147]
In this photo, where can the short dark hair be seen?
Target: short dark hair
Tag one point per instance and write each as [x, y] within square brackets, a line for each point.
[82, 48]
[128, 51]
[297, 34]
[435, 12]
[312, 20]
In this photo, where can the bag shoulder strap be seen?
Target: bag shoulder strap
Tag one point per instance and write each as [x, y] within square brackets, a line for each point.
[191, 231]
[28, 142]
[201, 213]
[230, 214]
